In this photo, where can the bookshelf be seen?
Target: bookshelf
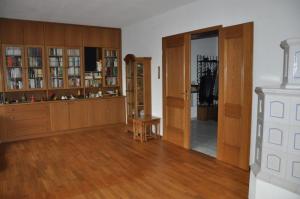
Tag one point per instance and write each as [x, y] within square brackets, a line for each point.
[13, 67]
[56, 67]
[138, 87]
[111, 67]
[35, 68]
[74, 67]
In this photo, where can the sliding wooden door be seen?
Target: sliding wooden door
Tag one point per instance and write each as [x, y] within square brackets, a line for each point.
[176, 51]
[235, 94]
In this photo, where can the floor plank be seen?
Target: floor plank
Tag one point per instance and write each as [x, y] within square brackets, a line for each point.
[107, 163]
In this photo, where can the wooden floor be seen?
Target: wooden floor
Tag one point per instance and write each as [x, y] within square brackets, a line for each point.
[107, 163]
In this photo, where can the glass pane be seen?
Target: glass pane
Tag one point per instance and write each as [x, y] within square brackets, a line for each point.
[140, 84]
[13, 63]
[130, 90]
[35, 68]
[111, 67]
[56, 65]
[74, 73]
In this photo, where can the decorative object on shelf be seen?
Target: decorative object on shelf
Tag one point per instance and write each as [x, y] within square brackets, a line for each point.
[277, 149]
[291, 68]
[138, 87]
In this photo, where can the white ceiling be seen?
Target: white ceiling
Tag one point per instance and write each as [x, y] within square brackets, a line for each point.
[111, 13]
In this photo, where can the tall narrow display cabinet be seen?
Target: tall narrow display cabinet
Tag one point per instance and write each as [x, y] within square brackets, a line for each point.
[138, 87]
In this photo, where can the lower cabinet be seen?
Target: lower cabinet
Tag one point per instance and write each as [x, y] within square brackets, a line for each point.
[2, 124]
[26, 120]
[23, 121]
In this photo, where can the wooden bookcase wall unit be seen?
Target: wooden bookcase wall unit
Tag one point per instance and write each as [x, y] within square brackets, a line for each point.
[42, 36]
[138, 87]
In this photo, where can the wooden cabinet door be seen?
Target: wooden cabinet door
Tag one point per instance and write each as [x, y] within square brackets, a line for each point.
[114, 111]
[54, 34]
[73, 35]
[33, 33]
[59, 116]
[11, 31]
[111, 38]
[107, 111]
[97, 112]
[93, 37]
[79, 114]
[147, 86]
[235, 94]
[175, 103]
[26, 120]
[2, 124]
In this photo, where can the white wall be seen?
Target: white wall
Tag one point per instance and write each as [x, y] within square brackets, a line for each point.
[274, 21]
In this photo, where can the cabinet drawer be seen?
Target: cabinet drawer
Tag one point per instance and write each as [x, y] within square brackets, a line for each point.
[274, 162]
[276, 136]
[277, 109]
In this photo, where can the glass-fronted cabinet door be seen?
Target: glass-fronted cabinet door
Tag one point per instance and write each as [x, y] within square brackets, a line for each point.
[111, 67]
[74, 67]
[140, 89]
[35, 68]
[13, 67]
[130, 91]
[56, 67]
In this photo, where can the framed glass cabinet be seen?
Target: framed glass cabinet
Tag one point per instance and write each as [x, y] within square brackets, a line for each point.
[138, 87]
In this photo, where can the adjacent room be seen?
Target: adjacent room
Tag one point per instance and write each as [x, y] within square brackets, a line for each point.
[150, 99]
[204, 92]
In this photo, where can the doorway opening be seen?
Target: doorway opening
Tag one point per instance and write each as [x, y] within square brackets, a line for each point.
[204, 92]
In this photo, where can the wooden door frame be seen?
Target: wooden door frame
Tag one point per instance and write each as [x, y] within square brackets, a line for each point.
[187, 116]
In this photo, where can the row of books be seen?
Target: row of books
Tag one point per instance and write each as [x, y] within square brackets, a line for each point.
[56, 52]
[111, 71]
[35, 62]
[13, 61]
[111, 53]
[74, 71]
[34, 52]
[74, 82]
[35, 73]
[14, 51]
[35, 83]
[73, 52]
[111, 62]
[15, 84]
[74, 61]
[56, 72]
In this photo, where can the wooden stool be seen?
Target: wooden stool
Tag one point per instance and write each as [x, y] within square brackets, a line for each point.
[142, 128]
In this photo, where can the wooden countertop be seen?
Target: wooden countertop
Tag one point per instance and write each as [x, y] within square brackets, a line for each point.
[58, 101]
